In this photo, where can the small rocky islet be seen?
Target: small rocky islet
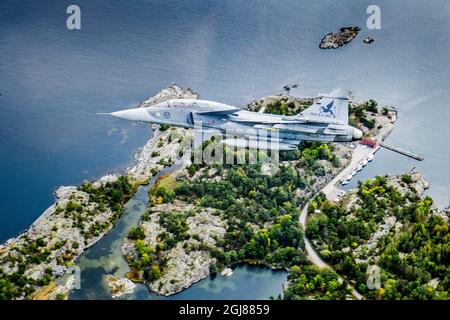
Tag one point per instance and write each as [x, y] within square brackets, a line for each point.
[335, 40]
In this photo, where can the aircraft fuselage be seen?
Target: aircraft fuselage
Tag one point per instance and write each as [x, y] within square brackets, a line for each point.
[210, 116]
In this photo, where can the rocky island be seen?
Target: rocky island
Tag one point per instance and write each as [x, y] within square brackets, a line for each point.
[31, 263]
[386, 226]
[368, 40]
[204, 218]
[335, 40]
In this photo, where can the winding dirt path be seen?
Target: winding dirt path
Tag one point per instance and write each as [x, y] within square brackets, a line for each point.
[330, 190]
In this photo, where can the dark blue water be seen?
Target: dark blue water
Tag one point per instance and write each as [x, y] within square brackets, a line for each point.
[54, 80]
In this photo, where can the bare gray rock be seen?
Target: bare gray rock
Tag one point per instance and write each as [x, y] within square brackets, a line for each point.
[335, 40]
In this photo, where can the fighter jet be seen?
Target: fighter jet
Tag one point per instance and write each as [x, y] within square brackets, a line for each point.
[326, 121]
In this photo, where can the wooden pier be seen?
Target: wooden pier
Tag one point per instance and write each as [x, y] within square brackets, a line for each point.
[401, 151]
[412, 170]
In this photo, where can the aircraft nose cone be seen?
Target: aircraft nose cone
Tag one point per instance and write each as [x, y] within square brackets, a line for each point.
[357, 134]
[137, 114]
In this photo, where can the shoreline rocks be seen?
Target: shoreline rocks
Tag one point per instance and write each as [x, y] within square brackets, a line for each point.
[61, 237]
[336, 40]
[62, 240]
[120, 286]
[186, 262]
[174, 91]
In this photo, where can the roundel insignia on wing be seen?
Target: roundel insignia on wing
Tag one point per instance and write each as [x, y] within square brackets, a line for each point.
[166, 115]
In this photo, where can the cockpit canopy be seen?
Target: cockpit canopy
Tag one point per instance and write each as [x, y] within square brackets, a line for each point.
[193, 104]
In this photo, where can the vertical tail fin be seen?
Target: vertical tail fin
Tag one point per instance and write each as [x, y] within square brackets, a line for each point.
[333, 105]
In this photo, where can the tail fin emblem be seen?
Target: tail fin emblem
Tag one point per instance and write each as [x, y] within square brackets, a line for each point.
[328, 108]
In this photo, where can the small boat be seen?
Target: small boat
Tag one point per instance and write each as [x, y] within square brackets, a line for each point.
[354, 172]
[370, 157]
[345, 182]
[359, 168]
[227, 272]
[349, 177]
[364, 163]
